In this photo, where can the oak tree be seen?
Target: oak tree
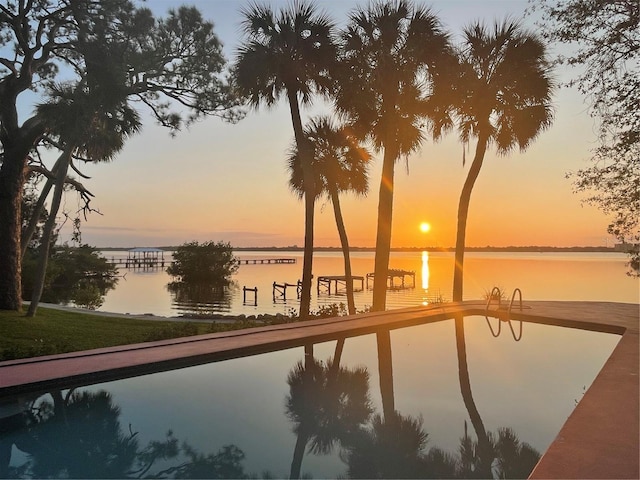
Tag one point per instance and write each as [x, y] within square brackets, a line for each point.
[602, 42]
[173, 66]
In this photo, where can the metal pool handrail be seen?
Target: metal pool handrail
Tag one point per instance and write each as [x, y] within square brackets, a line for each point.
[513, 296]
[496, 293]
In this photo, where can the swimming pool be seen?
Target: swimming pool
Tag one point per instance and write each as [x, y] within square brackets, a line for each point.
[425, 400]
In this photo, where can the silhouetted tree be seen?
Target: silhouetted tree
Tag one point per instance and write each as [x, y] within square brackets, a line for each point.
[74, 274]
[172, 65]
[393, 447]
[339, 165]
[389, 51]
[92, 119]
[288, 54]
[604, 44]
[328, 404]
[208, 263]
[503, 96]
[476, 459]
[516, 459]
[77, 434]
[34, 215]
[489, 456]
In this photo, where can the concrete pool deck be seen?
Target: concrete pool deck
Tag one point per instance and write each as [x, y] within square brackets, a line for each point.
[600, 439]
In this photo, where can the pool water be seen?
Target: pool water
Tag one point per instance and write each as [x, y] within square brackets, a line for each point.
[439, 399]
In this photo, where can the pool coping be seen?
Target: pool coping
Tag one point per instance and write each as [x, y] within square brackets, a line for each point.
[600, 439]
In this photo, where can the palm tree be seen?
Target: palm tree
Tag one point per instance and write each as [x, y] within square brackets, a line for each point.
[288, 54]
[503, 97]
[339, 164]
[389, 51]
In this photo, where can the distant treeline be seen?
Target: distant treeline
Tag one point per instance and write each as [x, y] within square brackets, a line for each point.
[295, 248]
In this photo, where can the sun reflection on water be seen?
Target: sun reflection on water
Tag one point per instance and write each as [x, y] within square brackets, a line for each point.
[425, 277]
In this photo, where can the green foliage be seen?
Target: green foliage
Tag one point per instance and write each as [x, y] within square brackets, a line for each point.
[209, 263]
[173, 330]
[74, 274]
[287, 52]
[83, 64]
[604, 46]
[57, 331]
[339, 164]
[28, 210]
[504, 88]
[511, 458]
[331, 310]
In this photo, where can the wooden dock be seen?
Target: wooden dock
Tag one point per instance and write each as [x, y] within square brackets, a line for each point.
[260, 261]
[253, 290]
[280, 290]
[325, 282]
[141, 257]
[136, 262]
[393, 275]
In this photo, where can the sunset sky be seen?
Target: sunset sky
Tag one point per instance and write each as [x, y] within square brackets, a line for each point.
[218, 181]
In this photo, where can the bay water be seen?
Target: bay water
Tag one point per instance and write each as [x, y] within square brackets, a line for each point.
[428, 278]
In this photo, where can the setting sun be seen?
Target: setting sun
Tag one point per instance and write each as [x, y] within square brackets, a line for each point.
[425, 227]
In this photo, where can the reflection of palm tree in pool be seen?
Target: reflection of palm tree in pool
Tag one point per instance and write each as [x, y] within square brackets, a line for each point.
[385, 372]
[328, 405]
[78, 435]
[485, 452]
[505, 454]
[393, 447]
[512, 458]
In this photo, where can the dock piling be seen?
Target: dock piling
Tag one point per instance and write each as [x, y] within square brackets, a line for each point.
[246, 289]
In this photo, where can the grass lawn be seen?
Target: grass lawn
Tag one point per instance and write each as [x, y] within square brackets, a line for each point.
[57, 331]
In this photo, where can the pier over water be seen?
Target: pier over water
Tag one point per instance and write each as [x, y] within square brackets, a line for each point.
[260, 261]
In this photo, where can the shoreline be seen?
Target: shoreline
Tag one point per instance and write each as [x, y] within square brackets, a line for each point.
[211, 318]
[510, 249]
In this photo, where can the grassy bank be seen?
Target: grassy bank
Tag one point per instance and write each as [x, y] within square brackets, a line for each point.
[57, 331]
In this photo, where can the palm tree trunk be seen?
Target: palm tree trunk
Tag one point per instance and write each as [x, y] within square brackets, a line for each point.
[303, 435]
[337, 353]
[485, 451]
[385, 372]
[383, 235]
[45, 244]
[344, 241]
[35, 217]
[309, 204]
[463, 211]
[298, 454]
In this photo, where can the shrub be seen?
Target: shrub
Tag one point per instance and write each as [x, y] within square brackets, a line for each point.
[209, 263]
[74, 274]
